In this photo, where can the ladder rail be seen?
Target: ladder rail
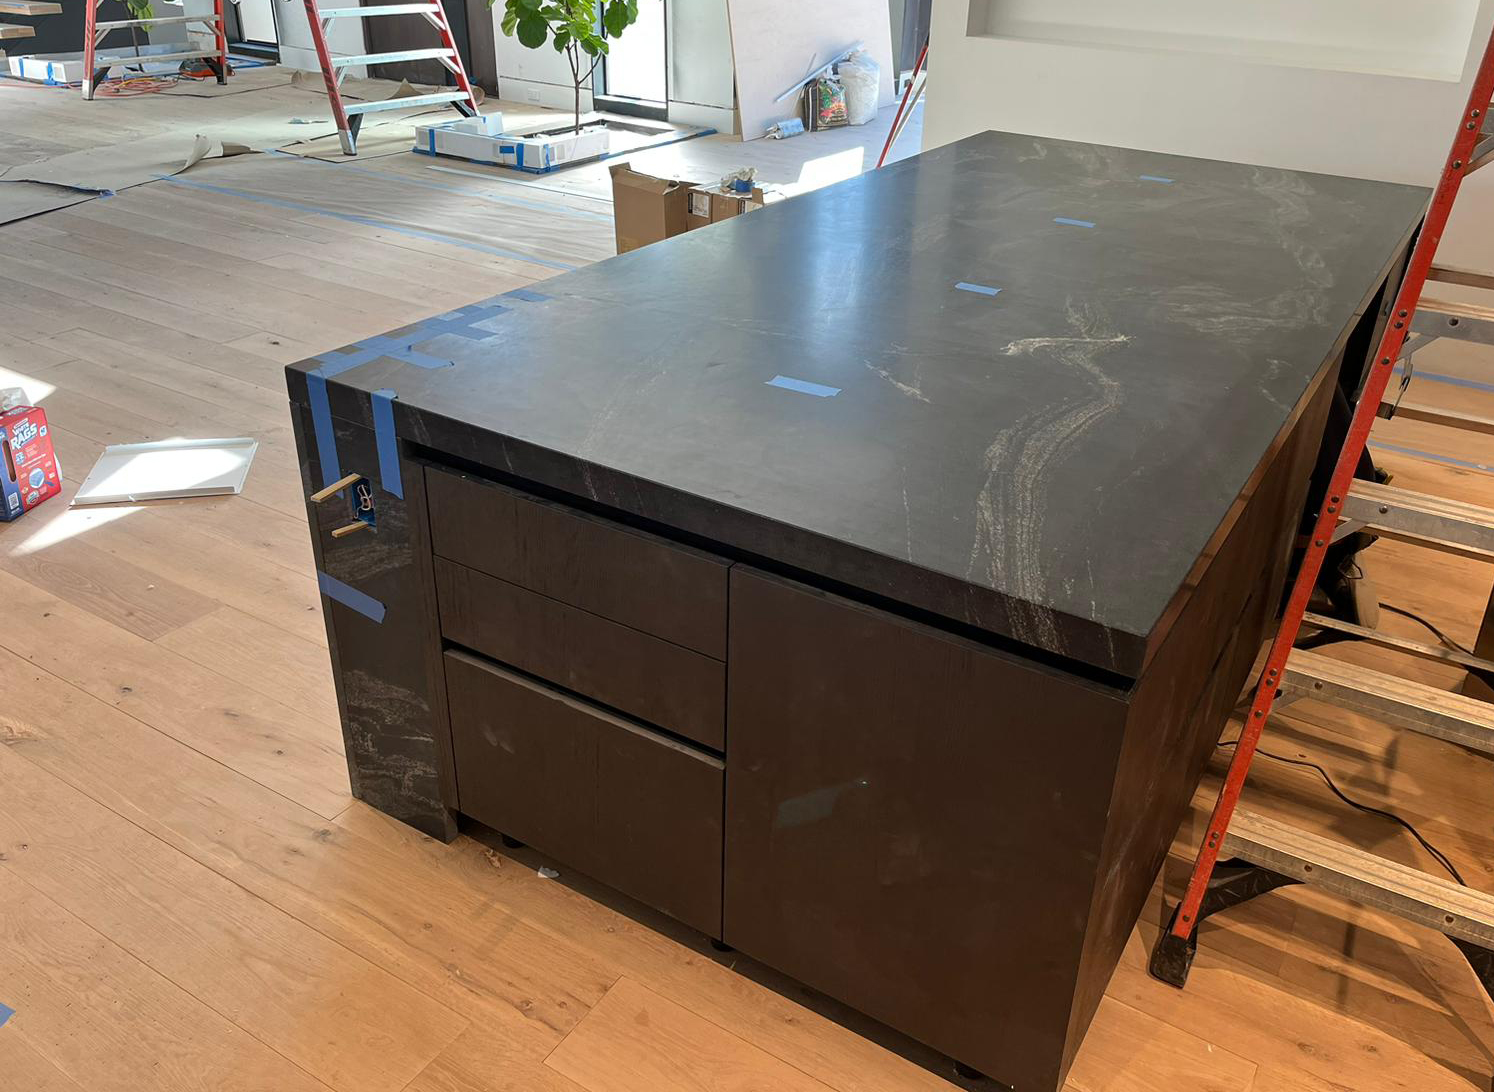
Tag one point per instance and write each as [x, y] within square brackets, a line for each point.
[96, 67]
[1454, 170]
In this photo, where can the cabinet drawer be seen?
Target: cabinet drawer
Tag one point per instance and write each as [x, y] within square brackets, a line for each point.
[633, 809]
[643, 676]
[632, 577]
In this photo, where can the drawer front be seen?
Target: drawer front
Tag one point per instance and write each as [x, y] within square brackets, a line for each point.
[638, 579]
[643, 676]
[635, 810]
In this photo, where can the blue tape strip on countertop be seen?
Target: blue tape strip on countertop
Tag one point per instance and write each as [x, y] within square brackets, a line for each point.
[382, 402]
[1073, 223]
[321, 423]
[349, 596]
[982, 289]
[6, 1012]
[1156, 178]
[528, 295]
[788, 383]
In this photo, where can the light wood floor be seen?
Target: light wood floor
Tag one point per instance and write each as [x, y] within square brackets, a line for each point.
[189, 899]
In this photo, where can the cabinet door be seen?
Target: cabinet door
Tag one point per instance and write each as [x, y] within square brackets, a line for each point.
[913, 821]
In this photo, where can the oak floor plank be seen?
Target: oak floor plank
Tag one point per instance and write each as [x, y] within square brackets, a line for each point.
[635, 1040]
[333, 1014]
[28, 1070]
[111, 1023]
[273, 744]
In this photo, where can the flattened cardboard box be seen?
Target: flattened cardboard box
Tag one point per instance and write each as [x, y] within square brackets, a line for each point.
[646, 209]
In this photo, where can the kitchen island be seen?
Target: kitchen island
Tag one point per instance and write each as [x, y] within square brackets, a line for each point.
[863, 582]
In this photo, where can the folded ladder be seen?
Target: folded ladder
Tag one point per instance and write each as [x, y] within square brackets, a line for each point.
[96, 66]
[349, 115]
[1244, 855]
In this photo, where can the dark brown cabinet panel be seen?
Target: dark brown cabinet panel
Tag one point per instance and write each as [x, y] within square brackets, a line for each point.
[632, 577]
[631, 808]
[913, 821]
[643, 676]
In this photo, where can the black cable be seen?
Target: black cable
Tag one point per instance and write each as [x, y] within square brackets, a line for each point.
[1447, 641]
[1435, 853]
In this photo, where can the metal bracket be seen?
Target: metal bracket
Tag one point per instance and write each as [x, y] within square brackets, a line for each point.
[1232, 883]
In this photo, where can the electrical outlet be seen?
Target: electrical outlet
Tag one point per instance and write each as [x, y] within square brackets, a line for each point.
[532, 94]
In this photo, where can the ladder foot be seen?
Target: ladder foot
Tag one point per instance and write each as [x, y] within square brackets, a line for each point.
[1481, 960]
[1172, 955]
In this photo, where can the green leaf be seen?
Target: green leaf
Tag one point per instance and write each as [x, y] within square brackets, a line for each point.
[533, 31]
[562, 39]
[618, 16]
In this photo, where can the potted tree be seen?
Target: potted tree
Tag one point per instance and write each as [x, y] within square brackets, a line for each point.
[572, 27]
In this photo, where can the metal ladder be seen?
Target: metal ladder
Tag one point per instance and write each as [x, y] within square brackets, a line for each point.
[1245, 855]
[349, 115]
[96, 67]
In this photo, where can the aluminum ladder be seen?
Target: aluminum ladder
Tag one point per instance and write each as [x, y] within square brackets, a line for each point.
[349, 115]
[1245, 855]
[96, 66]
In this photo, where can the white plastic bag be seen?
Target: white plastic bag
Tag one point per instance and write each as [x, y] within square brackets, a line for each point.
[861, 76]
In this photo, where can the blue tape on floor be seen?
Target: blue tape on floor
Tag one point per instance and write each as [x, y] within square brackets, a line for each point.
[368, 221]
[321, 423]
[1156, 178]
[348, 596]
[6, 1012]
[1450, 380]
[983, 289]
[1073, 223]
[1448, 459]
[382, 402]
[819, 390]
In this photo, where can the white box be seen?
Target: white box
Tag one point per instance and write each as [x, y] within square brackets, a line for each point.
[481, 140]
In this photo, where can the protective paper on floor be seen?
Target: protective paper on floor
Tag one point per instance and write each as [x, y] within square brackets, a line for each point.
[19, 200]
[542, 230]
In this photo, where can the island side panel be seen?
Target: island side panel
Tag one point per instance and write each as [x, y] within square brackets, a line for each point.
[914, 821]
[1183, 701]
[390, 697]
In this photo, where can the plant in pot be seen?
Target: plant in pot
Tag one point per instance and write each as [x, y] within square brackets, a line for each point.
[572, 27]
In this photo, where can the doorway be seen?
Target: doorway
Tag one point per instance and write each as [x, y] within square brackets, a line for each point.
[633, 77]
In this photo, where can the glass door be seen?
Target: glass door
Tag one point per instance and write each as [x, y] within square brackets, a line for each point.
[634, 76]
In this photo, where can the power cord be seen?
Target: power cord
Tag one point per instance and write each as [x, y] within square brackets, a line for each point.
[1435, 853]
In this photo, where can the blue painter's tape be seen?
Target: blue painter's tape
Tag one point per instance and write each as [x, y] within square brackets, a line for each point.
[1156, 178]
[321, 423]
[527, 295]
[983, 289]
[6, 1012]
[382, 402]
[1448, 459]
[1073, 223]
[368, 221]
[462, 323]
[819, 390]
[349, 596]
[1450, 380]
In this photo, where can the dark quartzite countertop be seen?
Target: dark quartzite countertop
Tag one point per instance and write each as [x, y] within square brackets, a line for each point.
[1045, 463]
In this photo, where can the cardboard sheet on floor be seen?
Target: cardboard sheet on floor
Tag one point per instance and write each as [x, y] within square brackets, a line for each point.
[167, 468]
[19, 200]
[776, 42]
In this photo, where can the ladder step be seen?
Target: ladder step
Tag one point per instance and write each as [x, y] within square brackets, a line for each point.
[378, 9]
[151, 58]
[12, 30]
[393, 58]
[1465, 321]
[1434, 415]
[117, 24]
[1397, 889]
[352, 108]
[1436, 653]
[29, 7]
[1443, 524]
[1451, 274]
[1399, 702]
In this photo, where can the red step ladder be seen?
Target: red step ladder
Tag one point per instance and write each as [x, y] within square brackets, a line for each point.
[96, 67]
[349, 115]
[1259, 853]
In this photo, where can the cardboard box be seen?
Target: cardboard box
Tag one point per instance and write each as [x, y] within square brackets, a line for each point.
[647, 209]
[708, 205]
[537, 153]
[464, 138]
[28, 466]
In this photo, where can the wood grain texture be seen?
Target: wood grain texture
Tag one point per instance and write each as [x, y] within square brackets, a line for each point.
[1317, 995]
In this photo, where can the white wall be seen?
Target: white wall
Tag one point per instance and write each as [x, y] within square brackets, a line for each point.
[701, 83]
[1288, 83]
